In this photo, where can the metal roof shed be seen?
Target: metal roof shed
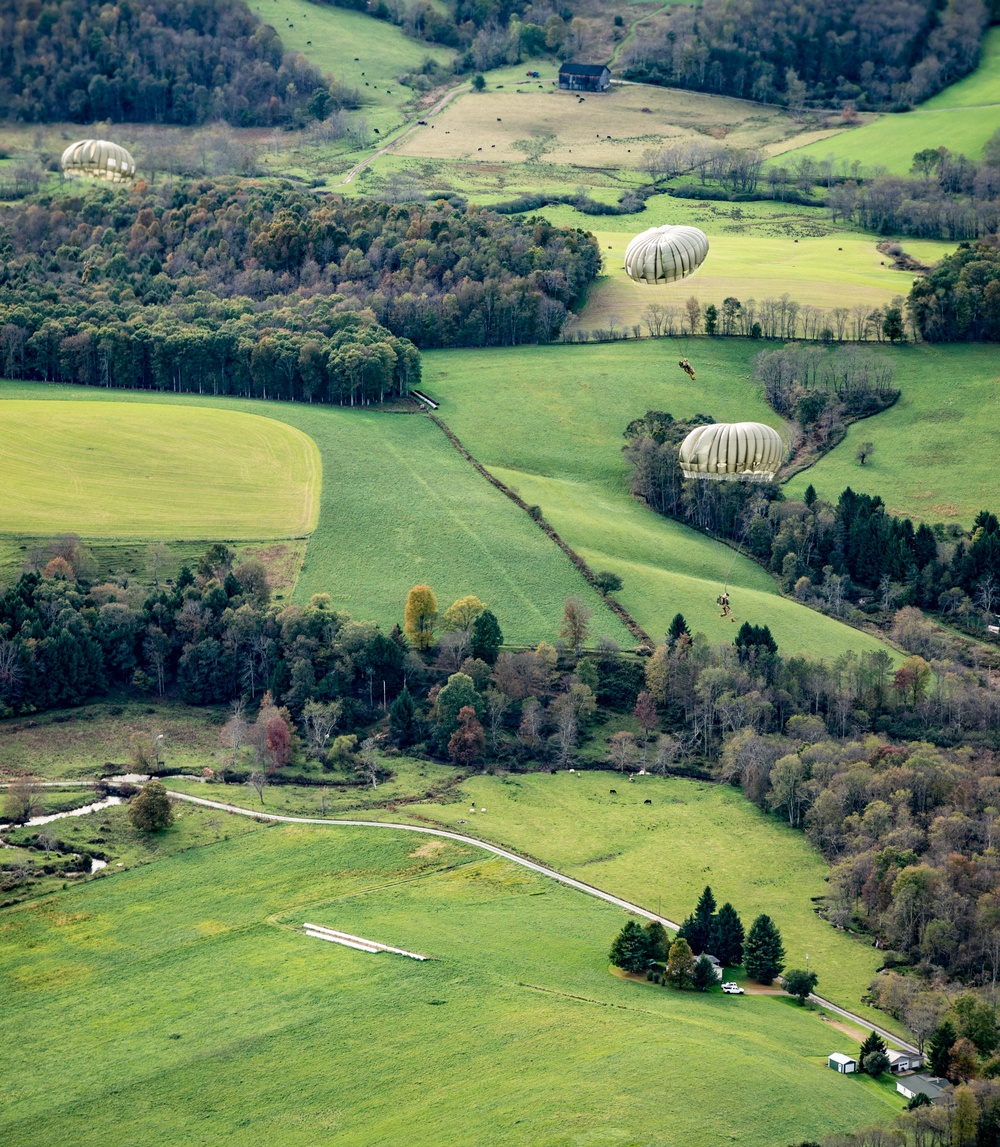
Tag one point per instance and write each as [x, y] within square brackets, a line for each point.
[845, 1064]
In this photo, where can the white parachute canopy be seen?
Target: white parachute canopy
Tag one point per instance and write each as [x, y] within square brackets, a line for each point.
[98, 159]
[732, 452]
[665, 254]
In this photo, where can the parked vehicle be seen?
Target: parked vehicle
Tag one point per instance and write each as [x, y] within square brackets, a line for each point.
[733, 989]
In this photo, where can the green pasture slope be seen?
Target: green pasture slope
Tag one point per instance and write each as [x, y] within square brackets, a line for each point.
[934, 448]
[179, 1003]
[554, 432]
[399, 506]
[961, 118]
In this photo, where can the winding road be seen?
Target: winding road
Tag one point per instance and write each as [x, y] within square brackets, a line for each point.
[579, 885]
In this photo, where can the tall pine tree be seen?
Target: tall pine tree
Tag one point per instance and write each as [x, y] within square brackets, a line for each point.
[726, 941]
[763, 953]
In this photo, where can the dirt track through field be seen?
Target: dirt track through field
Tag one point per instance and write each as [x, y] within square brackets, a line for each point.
[506, 854]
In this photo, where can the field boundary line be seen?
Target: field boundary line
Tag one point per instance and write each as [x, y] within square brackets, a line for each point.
[616, 608]
[506, 854]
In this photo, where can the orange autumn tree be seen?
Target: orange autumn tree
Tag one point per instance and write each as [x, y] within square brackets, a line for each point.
[421, 616]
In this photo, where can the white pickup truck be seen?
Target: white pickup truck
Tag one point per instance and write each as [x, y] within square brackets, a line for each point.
[733, 989]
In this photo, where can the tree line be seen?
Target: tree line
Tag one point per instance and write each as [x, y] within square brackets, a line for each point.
[157, 61]
[813, 53]
[298, 297]
[959, 299]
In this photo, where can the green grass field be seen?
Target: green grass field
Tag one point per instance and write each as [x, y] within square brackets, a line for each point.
[399, 506]
[179, 1003]
[932, 449]
[128, 470]
[961, 118]
[658, 856]
[555, 433]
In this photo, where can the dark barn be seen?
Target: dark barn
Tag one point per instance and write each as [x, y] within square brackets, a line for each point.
[584, 77]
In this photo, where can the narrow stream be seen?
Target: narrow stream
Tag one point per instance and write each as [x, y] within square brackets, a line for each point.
[36, 821]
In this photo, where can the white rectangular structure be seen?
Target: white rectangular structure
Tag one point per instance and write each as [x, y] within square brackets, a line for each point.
[845, 1064]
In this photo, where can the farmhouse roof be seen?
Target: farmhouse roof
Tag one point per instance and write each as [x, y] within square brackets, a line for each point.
[571, 69]
[840, 1057]
[931, 1085]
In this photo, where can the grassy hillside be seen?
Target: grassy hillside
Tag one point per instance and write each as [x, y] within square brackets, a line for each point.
[554, 431]
[126, 470]
[399, 506]
[932, 448]
[961, 118]
[361, 52]
[178, 1002]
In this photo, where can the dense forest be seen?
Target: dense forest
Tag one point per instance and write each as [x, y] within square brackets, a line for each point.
[156, 61]
[236, 287]
[870, 55]
[959, 298]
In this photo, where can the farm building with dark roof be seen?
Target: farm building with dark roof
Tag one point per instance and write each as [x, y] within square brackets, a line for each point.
[584, 77]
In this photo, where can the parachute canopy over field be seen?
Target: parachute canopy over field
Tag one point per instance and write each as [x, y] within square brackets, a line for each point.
[665, 254]
[732, 451]
[98, 159]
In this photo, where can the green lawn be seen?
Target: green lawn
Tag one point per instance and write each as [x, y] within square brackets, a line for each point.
[932, 449]
[179, 1003]
[399, 506]
[125, 470]
[555, 433]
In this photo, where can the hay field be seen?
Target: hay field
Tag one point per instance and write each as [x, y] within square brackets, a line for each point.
[608, 130]
[933, 449]
[155, 470]
[178, 1002]
[554, 432]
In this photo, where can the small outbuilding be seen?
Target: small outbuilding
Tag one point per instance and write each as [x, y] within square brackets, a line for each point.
[900, 1061]
[584, 77]
[845, 1064]
[933, 1086]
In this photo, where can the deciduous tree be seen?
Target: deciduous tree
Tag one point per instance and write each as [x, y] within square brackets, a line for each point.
[420, 616]
[150, 809]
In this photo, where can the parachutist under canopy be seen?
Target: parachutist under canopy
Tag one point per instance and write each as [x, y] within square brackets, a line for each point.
[687, 368]
[723, 600]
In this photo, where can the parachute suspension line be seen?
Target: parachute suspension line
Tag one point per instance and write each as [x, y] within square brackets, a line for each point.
[752, 510]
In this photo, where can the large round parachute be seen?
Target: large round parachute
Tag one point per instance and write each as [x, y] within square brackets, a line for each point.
[98, 159]
[665, 254]
[731, 452]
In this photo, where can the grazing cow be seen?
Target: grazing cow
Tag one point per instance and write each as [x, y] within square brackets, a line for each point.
[647, 802]
[613, 792]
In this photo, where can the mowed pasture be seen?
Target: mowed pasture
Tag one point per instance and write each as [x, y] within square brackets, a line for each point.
[399, 506]
[555, 433]
[129, 470]
[840, 269]
[605, 130]
[933, 449]
[180, 1002]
